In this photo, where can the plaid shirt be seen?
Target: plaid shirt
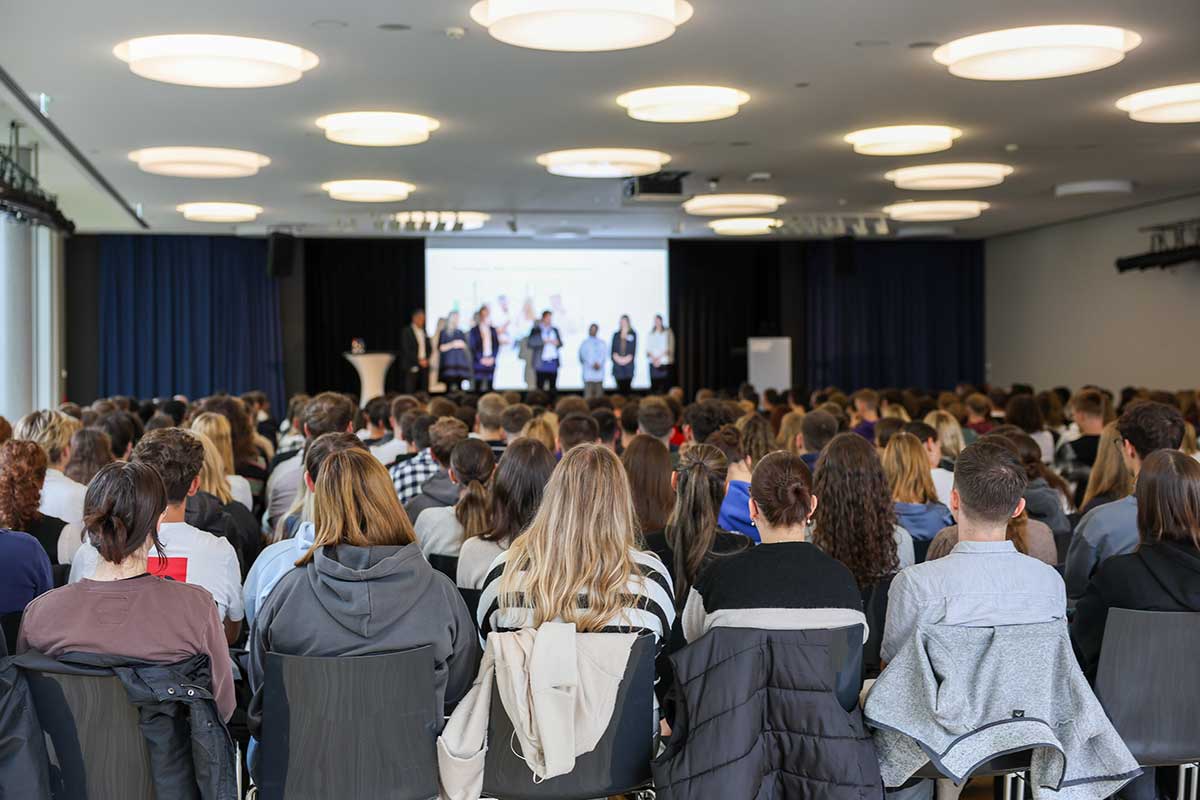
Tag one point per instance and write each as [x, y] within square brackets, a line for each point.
[409, 476]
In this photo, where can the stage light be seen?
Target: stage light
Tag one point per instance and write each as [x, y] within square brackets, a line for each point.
[219, 212]
[363, 190]
[949, 176]
[902, 140]
[198, 162]
[377, 128]
[745, 226]
[603, 162]
[224, 62]
[716, 205]
[449, 220]
[683, 103]
[1041, 51]
[1180, 103]
[575, 26]
[935, 210]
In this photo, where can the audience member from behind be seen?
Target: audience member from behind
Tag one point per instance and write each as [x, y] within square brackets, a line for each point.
[1047, 497]
[816, 431]
[514, 419]
[216, 428]
[1024, 412]
[249, 460]
[607, 428]
[985, 581]
[409, 476]
[22, 474]
[917, 506]
[24, 557]
[757, 440]
[328, 412]
[579, 560]
[440, 531]
[791, 432]
[949, 436]
[1111, 529]
[786, 583]
[121, 433]
[576, 429]
[188, 554]
[52, 431]
[1109, 479]
[866, 413]
[943, 479]
[735, 508]
[490, 421]
[544, 428]
[121, 609]
[979, 414]
[384, 444]
[655, 419]
[91, 450]
[647, 463]
[364, 587]
[215, 510]
[440, 490]
[702, 419]
[629, 422]
[1077, 453]
[517, 487]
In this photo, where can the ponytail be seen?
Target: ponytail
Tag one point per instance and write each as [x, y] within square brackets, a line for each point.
[691, 530]
[473, 463]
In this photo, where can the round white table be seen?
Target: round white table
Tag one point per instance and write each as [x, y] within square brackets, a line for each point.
[372, 369]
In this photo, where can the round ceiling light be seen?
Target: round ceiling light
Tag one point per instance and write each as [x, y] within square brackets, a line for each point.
[581, 25]
[363, 190]
[1180, 103]
[219, 212]
[377, 128]
[449, 220]
[949, 176]
[198, 162]
[683, 103]
[223, 62]
[1040, 51]
[903, 140]
[935, 210]
[745, 226]
[603, 162]
[723, 205]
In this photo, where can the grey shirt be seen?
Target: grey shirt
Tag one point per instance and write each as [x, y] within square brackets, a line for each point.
[1105, 531]
[978, 585]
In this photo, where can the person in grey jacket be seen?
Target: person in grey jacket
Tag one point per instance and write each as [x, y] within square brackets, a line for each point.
[365, 588]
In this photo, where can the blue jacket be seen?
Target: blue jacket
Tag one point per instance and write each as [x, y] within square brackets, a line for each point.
[475, 342]
[273, 563]
[1105, 531]
[593, 351]
[735, 511]
[923, 521]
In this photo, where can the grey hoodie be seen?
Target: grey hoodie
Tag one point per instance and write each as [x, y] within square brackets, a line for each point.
[438, 492]
[353, 601]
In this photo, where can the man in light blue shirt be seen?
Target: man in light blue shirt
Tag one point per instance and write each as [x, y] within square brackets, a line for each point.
[984, 582]
[593, 354]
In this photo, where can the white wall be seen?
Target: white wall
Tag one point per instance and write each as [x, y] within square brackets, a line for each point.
[1058, 312]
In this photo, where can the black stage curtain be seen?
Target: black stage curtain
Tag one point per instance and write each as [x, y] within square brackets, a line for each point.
[887, 313]
[358, 289]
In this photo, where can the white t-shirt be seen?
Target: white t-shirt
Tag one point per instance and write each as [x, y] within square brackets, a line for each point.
[62, 498]
[240, 488]
[193, 556]
[943, 481]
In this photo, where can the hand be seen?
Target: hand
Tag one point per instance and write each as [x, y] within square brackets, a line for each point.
[487, 361]
[596, 365]
[424, 362]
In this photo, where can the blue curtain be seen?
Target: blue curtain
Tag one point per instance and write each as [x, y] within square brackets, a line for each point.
[188, 315]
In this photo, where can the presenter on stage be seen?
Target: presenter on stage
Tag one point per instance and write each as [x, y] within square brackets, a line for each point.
[592, 355]
[454, 365]
[485, 342]
[414, 354]
[544, 342]
[660, 349]
[624, 351]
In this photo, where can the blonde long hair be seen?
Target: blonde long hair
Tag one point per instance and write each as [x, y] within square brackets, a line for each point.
[1109, 474]
[544, 429]
[580, 543]
[355, 503]
[216, 428]
[907, 470]
[949, 433]
[212, 472]
[789, 429]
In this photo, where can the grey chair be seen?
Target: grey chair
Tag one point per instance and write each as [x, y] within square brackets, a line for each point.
[95, 746]
[620, 764]
[1146, 682]
[361, 726]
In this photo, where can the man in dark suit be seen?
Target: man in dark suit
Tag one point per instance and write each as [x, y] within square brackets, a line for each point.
[544, 343]
[414, 354]
[484, 341]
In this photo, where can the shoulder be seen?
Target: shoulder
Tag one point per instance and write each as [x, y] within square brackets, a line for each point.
[19, 542]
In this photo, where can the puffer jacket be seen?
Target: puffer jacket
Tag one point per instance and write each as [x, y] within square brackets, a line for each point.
[759, 716]
[23, 761]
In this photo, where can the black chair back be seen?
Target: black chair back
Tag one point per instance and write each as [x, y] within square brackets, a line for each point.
[362, 726]
[94, 742]
[447, 565]
[1146, 682]
[620, 763]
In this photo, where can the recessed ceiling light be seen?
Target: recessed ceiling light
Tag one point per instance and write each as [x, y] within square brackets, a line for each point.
[564, 25]
[447, 220]
[745, 226]
[949, 176]
[603, 162]
[365, 190]
[198, 162]
[903, 140]
[715, 205]
[935, 210]
[1179, 103]
[683, 103]
[219, 212]
[377, 128]
[226, 62]
[1041, 51]
[1093, 187]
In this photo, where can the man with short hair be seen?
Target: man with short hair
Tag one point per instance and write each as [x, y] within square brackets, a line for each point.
[607, 428]
[866, 412]
[52, 431]
[979, 414]
[382, 442]
[1111, 529]
[544, 343]
[401, 405]
[439, 491]
[593, 355]
[576, 429]
[702, 419]
[414, 353]
[817, 429]
[191, 555]
[489, 422]
[1075, 456]
[409, 476]
[654, 418]
[984, 581]
[328, 412]
[943, 479]
[514, 419]
[121, 433]
[629, 422]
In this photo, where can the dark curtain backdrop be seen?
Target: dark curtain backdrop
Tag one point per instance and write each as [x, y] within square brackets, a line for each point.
[357, 288]
[188, 315]
[894, 313]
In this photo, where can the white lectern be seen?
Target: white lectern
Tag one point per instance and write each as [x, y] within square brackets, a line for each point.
[372, 370]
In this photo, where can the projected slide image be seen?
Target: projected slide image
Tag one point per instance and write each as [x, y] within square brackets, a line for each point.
[579, 287]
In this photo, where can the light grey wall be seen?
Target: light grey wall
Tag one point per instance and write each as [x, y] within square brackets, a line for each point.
[1058, 313]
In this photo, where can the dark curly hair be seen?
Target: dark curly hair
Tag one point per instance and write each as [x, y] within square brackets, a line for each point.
[855, 518]
[22, 471]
